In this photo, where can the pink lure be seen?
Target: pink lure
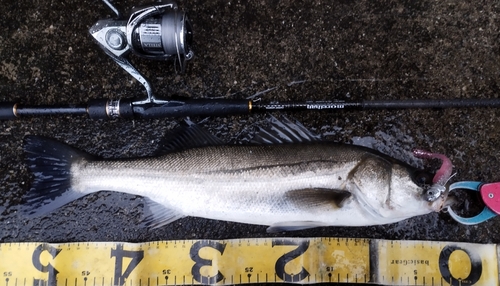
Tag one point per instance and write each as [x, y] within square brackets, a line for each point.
[444, 173]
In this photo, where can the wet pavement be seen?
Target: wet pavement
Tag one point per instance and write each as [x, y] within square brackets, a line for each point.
[350, 50]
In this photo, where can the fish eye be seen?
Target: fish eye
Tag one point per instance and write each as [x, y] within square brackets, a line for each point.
[422, 178]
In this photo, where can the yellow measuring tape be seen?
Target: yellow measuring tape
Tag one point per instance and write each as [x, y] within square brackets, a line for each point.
[254, 260]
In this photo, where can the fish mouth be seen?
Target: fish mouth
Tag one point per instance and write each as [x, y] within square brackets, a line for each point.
[449, 201]
[439, 198]
[438, 189]
[444, 201]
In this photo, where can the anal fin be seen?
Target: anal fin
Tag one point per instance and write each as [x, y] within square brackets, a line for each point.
[157, 215]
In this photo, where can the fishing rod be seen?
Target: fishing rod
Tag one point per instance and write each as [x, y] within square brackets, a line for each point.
[161, 31]
[127, 108]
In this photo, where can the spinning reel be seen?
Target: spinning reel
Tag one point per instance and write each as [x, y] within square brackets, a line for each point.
[159, 31]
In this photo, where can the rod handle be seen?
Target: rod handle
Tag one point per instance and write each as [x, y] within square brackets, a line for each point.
[7, 110]
[96, 109]
[195, 107]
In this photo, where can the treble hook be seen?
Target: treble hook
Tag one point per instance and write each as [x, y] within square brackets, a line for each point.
[490, 194]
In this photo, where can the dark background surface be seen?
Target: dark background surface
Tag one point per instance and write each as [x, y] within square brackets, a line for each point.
[305, 50]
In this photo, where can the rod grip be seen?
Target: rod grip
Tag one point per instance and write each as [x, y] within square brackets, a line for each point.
[7, 110]
[195, 107]
[96, 109]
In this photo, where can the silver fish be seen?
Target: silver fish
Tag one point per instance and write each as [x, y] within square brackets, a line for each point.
[284, 186]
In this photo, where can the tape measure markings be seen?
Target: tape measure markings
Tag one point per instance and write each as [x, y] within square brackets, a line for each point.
[244, 261]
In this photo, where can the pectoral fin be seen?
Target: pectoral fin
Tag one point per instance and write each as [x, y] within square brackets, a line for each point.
[293, 225]
[317, 198]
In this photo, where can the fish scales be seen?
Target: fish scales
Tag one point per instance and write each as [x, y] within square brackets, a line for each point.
[215, 180]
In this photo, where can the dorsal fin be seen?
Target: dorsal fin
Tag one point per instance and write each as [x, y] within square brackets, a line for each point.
[276, 131]
[187, 137]
[283, 131]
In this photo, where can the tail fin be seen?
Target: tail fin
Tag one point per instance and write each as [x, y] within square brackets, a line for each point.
[50, 162]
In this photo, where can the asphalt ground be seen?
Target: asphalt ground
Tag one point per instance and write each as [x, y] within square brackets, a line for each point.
[302, 50]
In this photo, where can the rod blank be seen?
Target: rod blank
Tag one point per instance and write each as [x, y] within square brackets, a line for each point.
[431, 103]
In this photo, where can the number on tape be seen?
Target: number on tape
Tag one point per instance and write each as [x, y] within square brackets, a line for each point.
[255, 260]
